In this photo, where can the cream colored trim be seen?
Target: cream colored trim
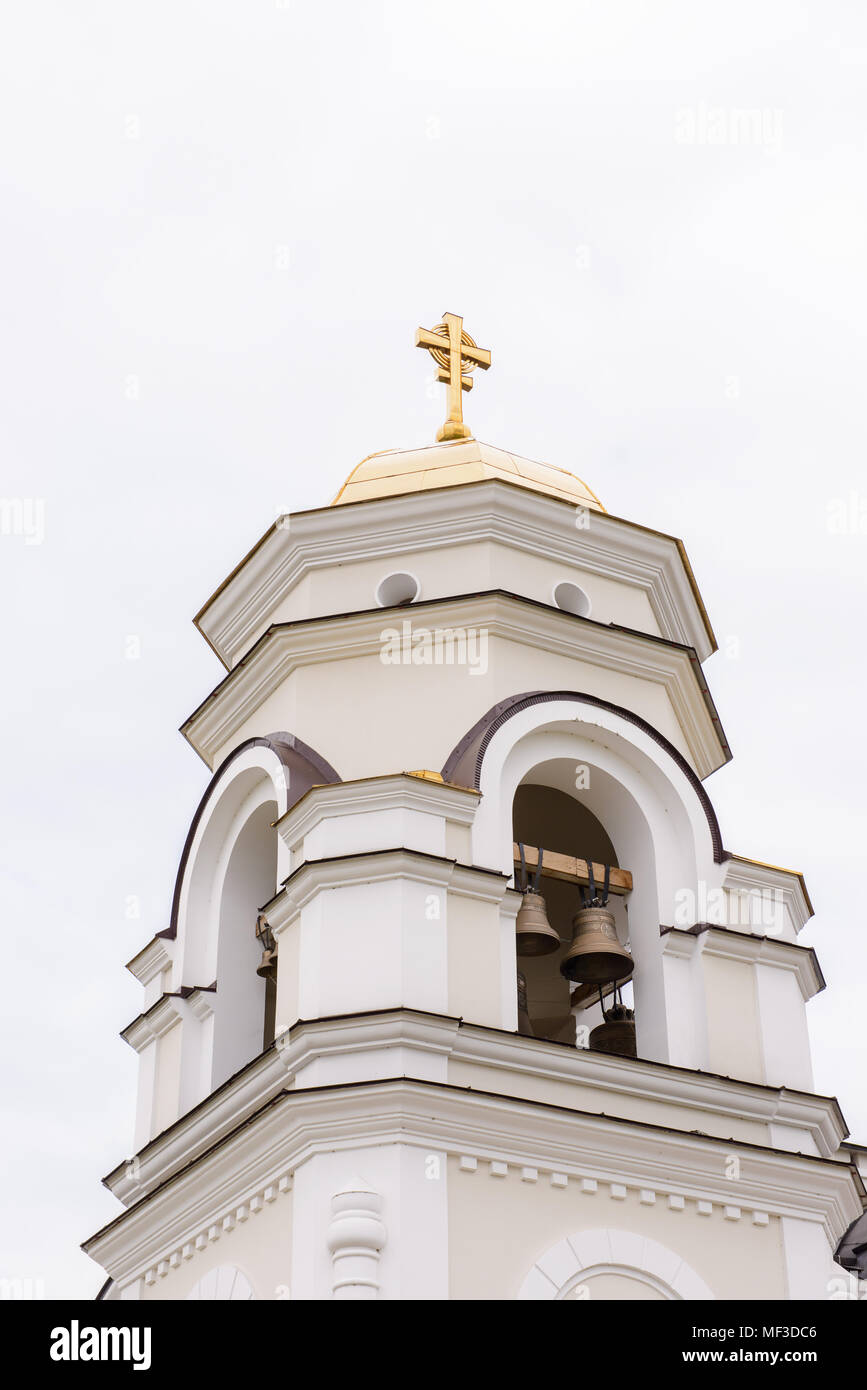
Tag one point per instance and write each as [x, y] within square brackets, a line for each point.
[150, 960]
[492, 1128]
[750, 875]
[396, 527]
[369, 794]
[740, 946]
[507, 1055]
[289, 646]
[320, 875]
[162, 1016]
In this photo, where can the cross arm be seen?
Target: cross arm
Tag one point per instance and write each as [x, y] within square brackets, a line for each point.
[481, 356]
[424, 338]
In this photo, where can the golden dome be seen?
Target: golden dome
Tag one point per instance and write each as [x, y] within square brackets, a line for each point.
[459, 461]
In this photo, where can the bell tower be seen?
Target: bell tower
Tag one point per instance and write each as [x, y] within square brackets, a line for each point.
[462, 994]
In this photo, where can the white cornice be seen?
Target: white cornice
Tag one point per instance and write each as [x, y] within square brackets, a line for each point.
[681, 944]
[508, 1055]
[150, 960]
[369, 794]
[230, 1105]
[754, 949]
[159, 1018]
[487, 511]
[426, 1034]
[378, 866]
[202, 1003]
[492, 1128]
[610, 1076]
[288, 646]
[702, 1092]
[750, 876]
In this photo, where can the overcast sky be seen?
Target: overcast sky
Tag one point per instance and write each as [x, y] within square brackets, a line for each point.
[222, 223]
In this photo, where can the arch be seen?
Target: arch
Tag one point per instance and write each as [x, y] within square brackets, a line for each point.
[230, 868]
[645, 800]
[587, 1284]
[609, 1250]
[245, 877]
[556, 821]
[467, 757]
[303, 768]
[641, 797]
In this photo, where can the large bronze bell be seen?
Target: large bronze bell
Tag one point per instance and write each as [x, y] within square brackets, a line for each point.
[595, 956]
[534, 935]
[617, 1034]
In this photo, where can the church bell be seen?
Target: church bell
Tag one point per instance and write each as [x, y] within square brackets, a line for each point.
[596, 956]
[617, 1034]
[267, 967]
[534, 935]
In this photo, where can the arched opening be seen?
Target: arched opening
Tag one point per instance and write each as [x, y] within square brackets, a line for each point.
[231, 864]
[551, 819]
[245, 1002]
[655, 812]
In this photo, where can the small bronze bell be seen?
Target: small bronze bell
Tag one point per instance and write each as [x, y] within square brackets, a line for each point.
[267, 967]
[533, 932]
[595, 956]
[524, 1024]
[534, 935]
[617, 1034]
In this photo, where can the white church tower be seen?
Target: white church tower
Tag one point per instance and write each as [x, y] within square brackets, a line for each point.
[371, 1064]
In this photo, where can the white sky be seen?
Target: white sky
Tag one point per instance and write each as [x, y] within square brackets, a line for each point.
[244, 209]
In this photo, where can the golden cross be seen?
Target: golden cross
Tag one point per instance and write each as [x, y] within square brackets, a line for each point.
[456, 355]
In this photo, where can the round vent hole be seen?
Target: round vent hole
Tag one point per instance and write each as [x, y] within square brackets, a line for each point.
[397, 589]
[572, 599]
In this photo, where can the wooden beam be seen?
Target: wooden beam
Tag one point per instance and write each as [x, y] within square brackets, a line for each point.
[563, 866]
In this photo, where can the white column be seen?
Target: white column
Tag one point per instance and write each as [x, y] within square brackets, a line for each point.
[147, 1080]
[356, 1236]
